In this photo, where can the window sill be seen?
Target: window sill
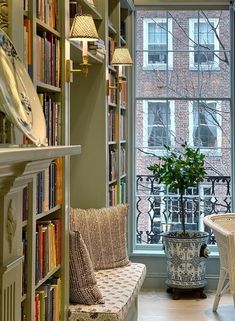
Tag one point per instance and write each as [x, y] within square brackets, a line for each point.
[157, 67]
[206, 68]
[160, 253]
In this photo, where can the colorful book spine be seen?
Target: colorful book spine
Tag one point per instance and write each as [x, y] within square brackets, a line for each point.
[48, 247]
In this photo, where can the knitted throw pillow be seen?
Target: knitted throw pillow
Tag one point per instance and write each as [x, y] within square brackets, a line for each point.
[104, 233]
[83, 285]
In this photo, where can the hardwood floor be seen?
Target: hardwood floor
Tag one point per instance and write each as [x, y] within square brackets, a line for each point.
[159, 306]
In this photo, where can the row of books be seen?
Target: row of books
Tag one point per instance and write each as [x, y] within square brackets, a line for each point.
[27, 58]
[24, 263]
[123, 94]
[122, 128]
[112, 125]
[49, 187]
[47, 12]
[123, 192]
[112, 97]
[122, 161]
[52, 113]
[112, 164]
[123, 29]
[113, 195]
[6, 129]
[111, 49]
[47, 301]
[48, 59]
[48, 247]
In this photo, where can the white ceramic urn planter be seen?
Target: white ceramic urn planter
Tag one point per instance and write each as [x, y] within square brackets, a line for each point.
[186, 266]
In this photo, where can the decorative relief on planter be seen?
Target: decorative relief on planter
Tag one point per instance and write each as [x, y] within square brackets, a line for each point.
[11, 224]
[3, 15]
[186, 268]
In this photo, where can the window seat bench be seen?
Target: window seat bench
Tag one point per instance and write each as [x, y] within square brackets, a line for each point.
[119, 287]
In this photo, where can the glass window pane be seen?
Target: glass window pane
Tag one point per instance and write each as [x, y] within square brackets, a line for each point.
[182, 94]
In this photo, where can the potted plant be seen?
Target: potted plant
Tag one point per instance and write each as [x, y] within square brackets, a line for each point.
[185, 250]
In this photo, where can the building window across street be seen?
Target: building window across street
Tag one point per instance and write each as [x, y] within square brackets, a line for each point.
[205, 125]
[158, 119]
[157, 43]
[204, 44]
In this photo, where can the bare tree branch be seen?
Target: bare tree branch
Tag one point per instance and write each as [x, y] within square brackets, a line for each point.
[226, 60]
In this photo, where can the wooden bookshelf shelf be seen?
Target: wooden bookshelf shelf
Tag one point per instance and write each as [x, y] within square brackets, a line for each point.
[112, 105]
[122, 142]
[76, 54]
[26, 13]
[128, 4]
[112, 143]
[46, 87]
[23, 298]
[123, 108]
[24, 223]
[112, 69]
[114, 181]
[123, 41]
[112, 30]
[52, 210]
[44, 27]
[123, 176]
[47, 277]
[88, 8]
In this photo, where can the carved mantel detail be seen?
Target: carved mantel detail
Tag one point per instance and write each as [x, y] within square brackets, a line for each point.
[4, 15]
[11, 224]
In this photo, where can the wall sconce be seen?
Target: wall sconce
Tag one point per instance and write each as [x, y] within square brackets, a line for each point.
[121, 57]
[83, 29]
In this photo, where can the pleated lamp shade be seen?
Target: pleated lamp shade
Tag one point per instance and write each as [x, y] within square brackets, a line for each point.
[83, 27]
[121, 56]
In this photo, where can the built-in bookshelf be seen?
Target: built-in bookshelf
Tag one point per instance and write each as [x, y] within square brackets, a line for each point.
[43, 25]
[99, 119]
[35, 189]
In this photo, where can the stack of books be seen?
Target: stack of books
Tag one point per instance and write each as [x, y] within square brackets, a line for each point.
[97, 48]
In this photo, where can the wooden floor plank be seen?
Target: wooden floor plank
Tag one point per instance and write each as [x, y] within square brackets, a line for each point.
[159, 306]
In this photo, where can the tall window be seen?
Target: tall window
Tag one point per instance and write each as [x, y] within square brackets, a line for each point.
[182, 72]
[204, 43]
[157, 43]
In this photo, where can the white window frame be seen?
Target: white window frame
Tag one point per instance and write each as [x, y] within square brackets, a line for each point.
[219, 133]
[157, 66]
[146, 148]
[192, 65]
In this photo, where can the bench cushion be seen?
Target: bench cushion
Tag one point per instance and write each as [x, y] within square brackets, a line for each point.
[119, 287]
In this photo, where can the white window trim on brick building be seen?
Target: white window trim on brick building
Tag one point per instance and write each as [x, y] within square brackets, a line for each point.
[157, 66]
[206, 150]
[146, 148]
[192, 64]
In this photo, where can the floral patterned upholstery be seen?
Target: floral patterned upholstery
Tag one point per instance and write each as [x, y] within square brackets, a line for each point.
[119, 287]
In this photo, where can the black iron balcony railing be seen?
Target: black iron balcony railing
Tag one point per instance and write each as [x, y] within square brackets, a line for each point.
[157, 209]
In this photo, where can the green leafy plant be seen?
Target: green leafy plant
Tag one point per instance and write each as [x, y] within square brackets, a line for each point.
[180, 170]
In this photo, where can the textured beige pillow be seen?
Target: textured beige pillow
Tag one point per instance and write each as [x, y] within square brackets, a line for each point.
[104, 233]
[83, 285]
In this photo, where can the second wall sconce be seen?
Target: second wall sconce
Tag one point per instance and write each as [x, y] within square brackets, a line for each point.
[83, 29]
[121, 57]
